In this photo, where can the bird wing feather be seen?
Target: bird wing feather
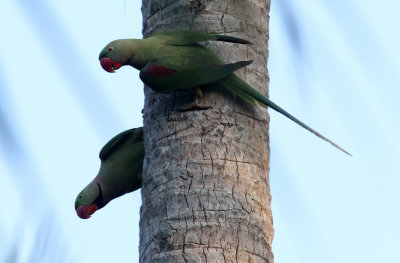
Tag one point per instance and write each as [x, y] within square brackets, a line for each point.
[185, 79]
[115, 142]
[184, 38]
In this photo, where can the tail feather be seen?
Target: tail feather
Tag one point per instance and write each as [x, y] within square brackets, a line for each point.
[243, 96]
[243, 90]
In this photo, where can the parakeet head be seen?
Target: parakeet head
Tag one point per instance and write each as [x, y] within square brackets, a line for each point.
[120, 172]
[87, 202]
[116, 54]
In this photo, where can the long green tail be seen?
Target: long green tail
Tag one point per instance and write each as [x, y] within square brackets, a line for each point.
[246, 92]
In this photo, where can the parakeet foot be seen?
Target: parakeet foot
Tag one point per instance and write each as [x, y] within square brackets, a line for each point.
[195, 105]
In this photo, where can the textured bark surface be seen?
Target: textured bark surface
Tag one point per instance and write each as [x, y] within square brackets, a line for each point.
[205, 185]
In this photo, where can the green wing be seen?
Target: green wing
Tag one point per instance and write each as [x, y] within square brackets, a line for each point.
[184, 38]
[115, 142]
[185, 79]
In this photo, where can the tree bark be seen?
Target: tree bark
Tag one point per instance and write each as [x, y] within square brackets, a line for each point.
[205, 189]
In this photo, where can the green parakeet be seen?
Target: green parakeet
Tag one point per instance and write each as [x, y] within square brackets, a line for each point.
[174, 60]
[120, 172]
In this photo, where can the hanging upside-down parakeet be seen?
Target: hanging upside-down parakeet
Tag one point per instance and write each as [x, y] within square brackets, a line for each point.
[174, 60]
[120, 172]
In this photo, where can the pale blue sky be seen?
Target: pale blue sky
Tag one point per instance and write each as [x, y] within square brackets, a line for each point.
[333, 64]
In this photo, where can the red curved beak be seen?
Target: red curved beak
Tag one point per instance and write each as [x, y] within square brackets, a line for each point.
[109, 65]
[85, 212]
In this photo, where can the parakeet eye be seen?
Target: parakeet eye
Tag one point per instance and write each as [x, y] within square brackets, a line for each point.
[110, 49]
[80, 197]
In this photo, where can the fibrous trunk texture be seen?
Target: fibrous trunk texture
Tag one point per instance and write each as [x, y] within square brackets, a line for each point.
[205, 188]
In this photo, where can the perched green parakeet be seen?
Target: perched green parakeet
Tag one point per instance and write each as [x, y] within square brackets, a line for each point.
[120, 172]
[174, 60]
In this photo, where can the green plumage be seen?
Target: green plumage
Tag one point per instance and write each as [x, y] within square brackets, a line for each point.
[174, 60]
[184, 38]
[120, 172]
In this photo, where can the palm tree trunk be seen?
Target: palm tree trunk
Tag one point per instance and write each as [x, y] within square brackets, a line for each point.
[205, 187]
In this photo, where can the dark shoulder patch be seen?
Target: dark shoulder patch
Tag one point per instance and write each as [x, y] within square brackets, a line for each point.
[140, 135]
[115, 142]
